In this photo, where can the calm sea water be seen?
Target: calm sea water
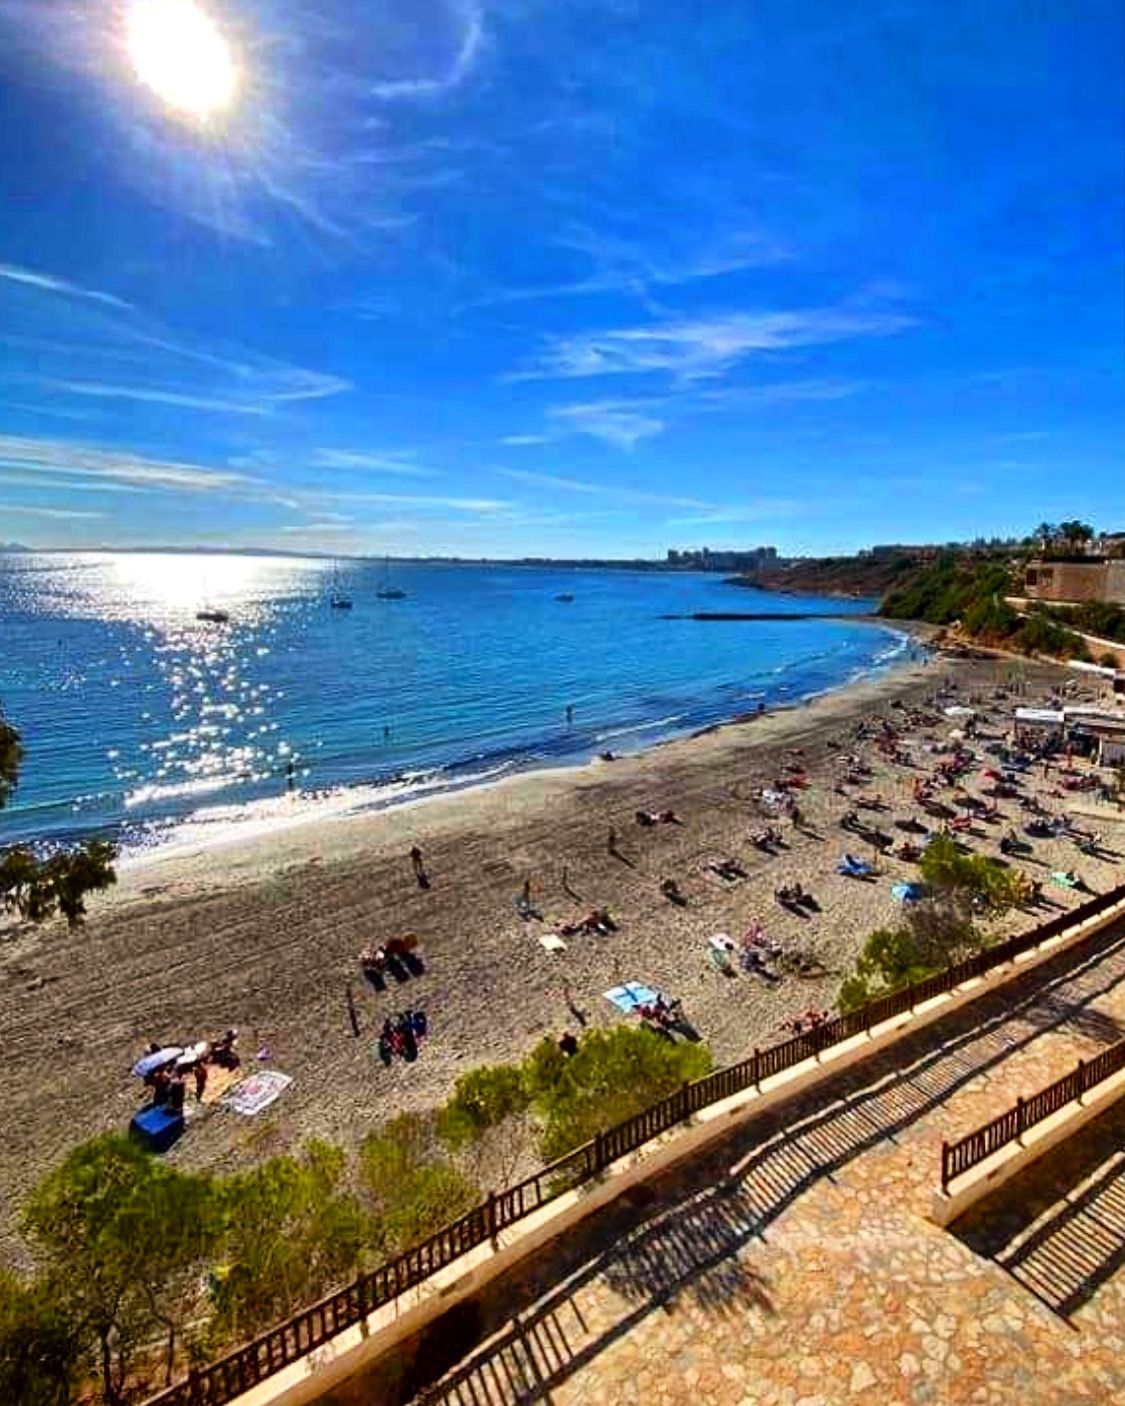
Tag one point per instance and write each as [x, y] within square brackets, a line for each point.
[142, 722]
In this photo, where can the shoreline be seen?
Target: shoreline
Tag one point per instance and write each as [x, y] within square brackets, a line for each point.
[355, 824]
[264, 934]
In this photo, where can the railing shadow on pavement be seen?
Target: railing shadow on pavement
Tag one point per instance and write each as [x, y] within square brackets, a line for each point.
[684, 1244]
[1059, 1227]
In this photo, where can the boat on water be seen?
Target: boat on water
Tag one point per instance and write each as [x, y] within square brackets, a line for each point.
[387, 590]
[566, 596]
[339, 599]
[213, 616]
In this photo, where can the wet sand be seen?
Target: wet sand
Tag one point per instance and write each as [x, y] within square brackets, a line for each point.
[263, 933]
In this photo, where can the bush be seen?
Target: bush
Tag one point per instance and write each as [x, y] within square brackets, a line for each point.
[614, 1074]
[291, 1233]
[482, 1099]
[119, 1236]
[414, 1189]
[40, 1346]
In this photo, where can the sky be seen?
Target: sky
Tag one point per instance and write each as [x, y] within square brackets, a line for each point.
[561, 277]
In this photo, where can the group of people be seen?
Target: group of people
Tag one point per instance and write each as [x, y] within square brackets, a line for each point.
[400, 1035]
[167, 1082]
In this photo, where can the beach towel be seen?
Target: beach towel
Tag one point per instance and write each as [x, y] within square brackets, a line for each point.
[908, 893]
[631, 995]
[256, 1092]
[1064, 880]
[551, 942]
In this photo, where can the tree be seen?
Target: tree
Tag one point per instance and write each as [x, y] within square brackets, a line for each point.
[414, 1189]
[37, 888]
[39, 1349]
[119, 1236]
[614, 1074]
[482, 1099]
[1045, 534]
[1075, 533]
[291, 1232]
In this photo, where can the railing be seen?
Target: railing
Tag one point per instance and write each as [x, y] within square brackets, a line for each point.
[243, 1368]
[1010, 1126]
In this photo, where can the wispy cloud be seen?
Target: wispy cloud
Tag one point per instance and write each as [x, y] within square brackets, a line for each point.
[468, 43]
[435, 503]
[620, 423]
[758, 510]
[27, 510]
[619, 492]
[50, 460]
[700, 348]
[52, 283]
[348, 459]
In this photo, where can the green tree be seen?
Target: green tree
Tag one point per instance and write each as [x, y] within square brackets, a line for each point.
[614, 1074]
[292, 1231]
[482, 1099]
[1045, 534]
[39, 1348]
[119, 1236]
[37, 888]
[414, 1189]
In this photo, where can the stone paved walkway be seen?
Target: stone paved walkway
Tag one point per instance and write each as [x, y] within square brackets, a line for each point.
[796, 1266]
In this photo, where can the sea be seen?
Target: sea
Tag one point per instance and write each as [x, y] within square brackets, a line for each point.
[147, 725]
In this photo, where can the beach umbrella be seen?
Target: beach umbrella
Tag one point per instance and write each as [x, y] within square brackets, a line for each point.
[157, 1060]
[192, 1054]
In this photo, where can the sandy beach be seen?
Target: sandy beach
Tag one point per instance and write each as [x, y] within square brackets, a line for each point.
[263, 932]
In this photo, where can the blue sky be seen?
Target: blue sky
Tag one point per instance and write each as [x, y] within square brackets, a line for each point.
[593, 277]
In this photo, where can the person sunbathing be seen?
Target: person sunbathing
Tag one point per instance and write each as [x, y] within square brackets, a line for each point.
[671, 891]
[727, 869]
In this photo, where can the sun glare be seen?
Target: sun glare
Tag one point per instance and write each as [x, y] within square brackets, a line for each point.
[177, 50]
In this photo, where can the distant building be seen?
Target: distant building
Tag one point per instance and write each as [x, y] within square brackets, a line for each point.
[1075, 582]
[704, 559]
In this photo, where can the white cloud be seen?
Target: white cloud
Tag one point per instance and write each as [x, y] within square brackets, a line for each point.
[378, 463]
[469, 44]
[408, 500]
[610, 490]
[52, 283]
[704, 347]
[620, 423]
[29, 511]
[50, 460]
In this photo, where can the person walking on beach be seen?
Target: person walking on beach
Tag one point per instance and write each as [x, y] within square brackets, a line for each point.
[419, 867]
[611, 841]
[290, 773]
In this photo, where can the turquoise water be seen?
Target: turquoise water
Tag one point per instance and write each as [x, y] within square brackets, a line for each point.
[141, 721]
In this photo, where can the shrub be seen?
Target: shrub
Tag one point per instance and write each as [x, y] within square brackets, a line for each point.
[482, 1099]
[414, 1189]
[614, 1074]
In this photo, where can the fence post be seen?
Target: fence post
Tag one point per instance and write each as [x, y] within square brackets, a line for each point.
[490, 1218]
[685, 1104]
[1080, 1072]
[1021, 1119]
[195, 1387]
[599, 1151]
[944, 1164]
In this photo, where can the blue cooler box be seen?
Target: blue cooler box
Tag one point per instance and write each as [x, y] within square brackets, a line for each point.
[157, 1128]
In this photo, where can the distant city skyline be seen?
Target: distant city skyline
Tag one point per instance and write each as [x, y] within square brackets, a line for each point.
[447, 277]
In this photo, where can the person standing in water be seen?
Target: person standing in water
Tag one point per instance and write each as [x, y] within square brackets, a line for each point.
[570, 715]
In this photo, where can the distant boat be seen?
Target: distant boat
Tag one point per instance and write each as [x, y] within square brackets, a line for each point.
[566, 596]
[213, 616]
[386, 590]
[338, 599]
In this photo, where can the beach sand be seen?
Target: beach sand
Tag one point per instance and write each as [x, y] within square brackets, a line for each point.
[263, 933]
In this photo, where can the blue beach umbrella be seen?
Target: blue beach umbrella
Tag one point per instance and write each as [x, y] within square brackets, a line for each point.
[907, 893]
[157, 1060]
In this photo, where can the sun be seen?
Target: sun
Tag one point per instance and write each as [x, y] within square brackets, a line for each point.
[177, 50]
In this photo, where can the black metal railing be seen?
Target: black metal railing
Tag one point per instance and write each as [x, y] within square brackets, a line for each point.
[227, 1378]
[975, 1147]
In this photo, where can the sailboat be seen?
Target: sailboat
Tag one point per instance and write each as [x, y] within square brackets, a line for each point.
[212, 614]
[338, 600]
[386, 591]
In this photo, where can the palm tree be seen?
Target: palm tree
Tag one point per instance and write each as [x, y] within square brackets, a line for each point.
[1045, 534]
